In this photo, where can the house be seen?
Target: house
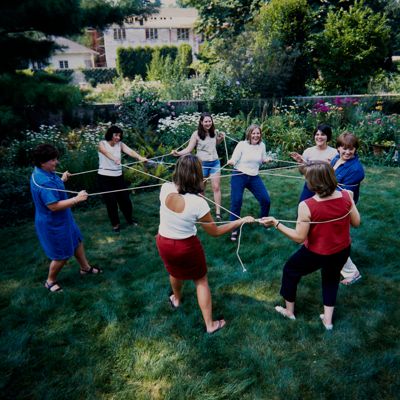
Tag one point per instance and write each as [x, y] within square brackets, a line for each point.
[72, 56]
[171, 26]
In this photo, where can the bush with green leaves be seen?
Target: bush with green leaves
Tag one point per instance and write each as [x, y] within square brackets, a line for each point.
[352, 48]
[100, 75]
[141, 108]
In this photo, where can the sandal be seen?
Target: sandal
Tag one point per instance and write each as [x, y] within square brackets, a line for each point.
[219, 327]
[234, 236]
[328, 327]
[352, 280]
[92, 270]
[283, 311]
[50, 286]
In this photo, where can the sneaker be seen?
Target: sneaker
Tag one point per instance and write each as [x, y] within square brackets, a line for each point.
[116, 229]
[234, 236]
[133, 222]
[218, 217]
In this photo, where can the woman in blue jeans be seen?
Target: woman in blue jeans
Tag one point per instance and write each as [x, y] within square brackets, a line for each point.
[247, 158]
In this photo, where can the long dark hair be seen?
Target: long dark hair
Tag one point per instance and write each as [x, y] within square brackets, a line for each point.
[188, 175]
[201, 131]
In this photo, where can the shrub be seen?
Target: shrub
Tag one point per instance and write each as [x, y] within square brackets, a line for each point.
[100, 75]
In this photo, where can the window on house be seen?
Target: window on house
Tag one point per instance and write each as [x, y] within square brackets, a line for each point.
[152, 33]
[183, 34]
[119, 34]
[141, 22]
[63, 64]
[88, 64]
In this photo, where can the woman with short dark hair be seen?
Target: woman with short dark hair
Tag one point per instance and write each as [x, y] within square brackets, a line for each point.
[58, 233]
[320, 152]
[180, 249]
[110, 177]
[323, 225]
[205, 139]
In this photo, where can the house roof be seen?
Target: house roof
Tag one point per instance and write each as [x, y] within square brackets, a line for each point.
[71, 47]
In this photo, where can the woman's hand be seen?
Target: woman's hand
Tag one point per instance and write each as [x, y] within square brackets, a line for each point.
[267, 160]
[297, 157]
[117, 161]
[65, 176]
[175, 153]
[230, 162]
[143, 159]
[268, 221]
[81, 196]
[248, 220]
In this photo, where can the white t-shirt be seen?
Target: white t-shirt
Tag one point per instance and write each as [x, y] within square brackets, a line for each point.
[248, 157]
[106, 166]
[314, 154]
[175, 225]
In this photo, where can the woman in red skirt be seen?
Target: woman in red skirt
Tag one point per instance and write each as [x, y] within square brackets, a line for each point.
[180, 249]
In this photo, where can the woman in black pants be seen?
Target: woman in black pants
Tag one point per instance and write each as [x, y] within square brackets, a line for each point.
[110, 176]
[323, 225]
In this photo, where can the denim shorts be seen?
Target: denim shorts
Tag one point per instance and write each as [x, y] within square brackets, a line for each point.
[210, 168]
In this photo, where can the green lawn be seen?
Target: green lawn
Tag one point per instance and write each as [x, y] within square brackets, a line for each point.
[116, 337]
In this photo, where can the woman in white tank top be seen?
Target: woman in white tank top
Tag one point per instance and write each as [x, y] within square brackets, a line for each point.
[110, 177]
[205, 140]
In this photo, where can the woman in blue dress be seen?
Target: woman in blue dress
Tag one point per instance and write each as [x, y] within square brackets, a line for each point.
[58, 233]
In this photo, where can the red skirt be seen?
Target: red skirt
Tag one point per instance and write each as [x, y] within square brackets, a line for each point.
[183, 258]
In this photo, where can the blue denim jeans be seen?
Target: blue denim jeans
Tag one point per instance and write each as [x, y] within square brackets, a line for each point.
[255, 185]
[210, 168]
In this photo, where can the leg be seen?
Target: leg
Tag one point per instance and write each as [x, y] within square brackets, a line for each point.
[301, 263]
[107, 183]
[330, 276]
[83, 262]
[54, 269]
[204, 300]
[176, 285]
[216, 188]
[124, 201]
[238, 184]
[257, 187]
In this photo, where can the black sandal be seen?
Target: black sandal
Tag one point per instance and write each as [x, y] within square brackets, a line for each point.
[90, 271]
[48, 286]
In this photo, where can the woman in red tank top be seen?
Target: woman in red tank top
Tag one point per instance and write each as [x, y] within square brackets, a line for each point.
[323, 227]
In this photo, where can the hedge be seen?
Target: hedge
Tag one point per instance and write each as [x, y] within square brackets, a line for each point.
[100, 75]
[134, 61]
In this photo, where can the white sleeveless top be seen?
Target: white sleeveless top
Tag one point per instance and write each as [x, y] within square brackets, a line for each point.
[181, 225]
[108, 167]
[206, 149]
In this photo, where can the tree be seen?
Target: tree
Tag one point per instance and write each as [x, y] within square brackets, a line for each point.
[26, 31]
[224, 18]
[270, 58]
[352, 48]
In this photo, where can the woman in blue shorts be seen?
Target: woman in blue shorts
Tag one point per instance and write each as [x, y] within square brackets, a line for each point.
[205, 140]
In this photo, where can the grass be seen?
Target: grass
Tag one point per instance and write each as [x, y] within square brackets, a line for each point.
[115, 336]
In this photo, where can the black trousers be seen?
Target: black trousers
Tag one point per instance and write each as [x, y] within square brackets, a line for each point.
[304, 262]
[113, 200]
